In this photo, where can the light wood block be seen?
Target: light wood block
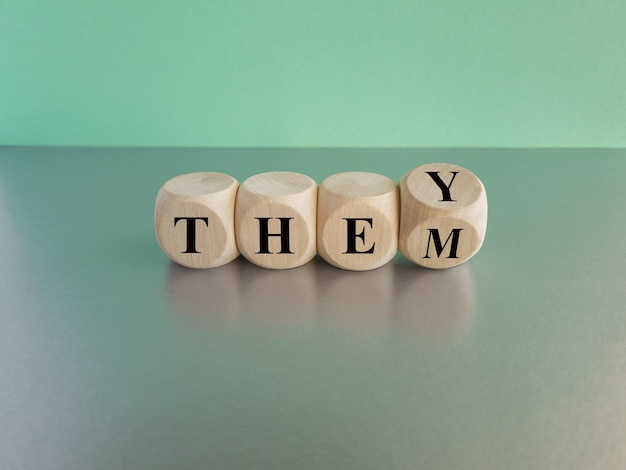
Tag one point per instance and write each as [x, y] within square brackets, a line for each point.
[443, 215]
[357, 220]
[194, 219]
[275, 217]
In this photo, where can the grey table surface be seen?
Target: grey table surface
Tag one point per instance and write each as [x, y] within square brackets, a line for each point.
[113, 357]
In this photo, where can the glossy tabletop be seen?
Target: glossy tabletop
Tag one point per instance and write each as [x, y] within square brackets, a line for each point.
[113, 357]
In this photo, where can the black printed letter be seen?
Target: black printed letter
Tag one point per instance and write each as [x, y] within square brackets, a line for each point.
[445, 190]
[434, 235]
[352, 236]
[264, 235]
[191, 231]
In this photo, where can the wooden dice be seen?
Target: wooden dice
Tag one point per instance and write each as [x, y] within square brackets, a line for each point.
[194, 219]
[436, 217]
[443, 215]
[357, 220]
[275, 218]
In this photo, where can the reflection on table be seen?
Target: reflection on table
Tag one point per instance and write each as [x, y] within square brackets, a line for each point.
[398, 297]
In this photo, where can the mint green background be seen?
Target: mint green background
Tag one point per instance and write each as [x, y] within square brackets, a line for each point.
[327, 73]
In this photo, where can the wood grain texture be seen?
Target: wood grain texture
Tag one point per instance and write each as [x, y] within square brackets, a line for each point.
[357, 220]
[275, 219]
[443, 215]
[193, 219]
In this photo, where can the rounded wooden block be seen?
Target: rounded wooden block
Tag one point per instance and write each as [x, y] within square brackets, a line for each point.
[443, 216]
[357, 220]
[194, 219]
[275, 217]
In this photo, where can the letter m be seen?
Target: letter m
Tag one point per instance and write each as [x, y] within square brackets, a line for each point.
[439, 247]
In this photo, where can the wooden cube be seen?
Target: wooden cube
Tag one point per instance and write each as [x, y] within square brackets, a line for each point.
[193, 219]
[357, 220]
[443, 215]
[275, 217]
